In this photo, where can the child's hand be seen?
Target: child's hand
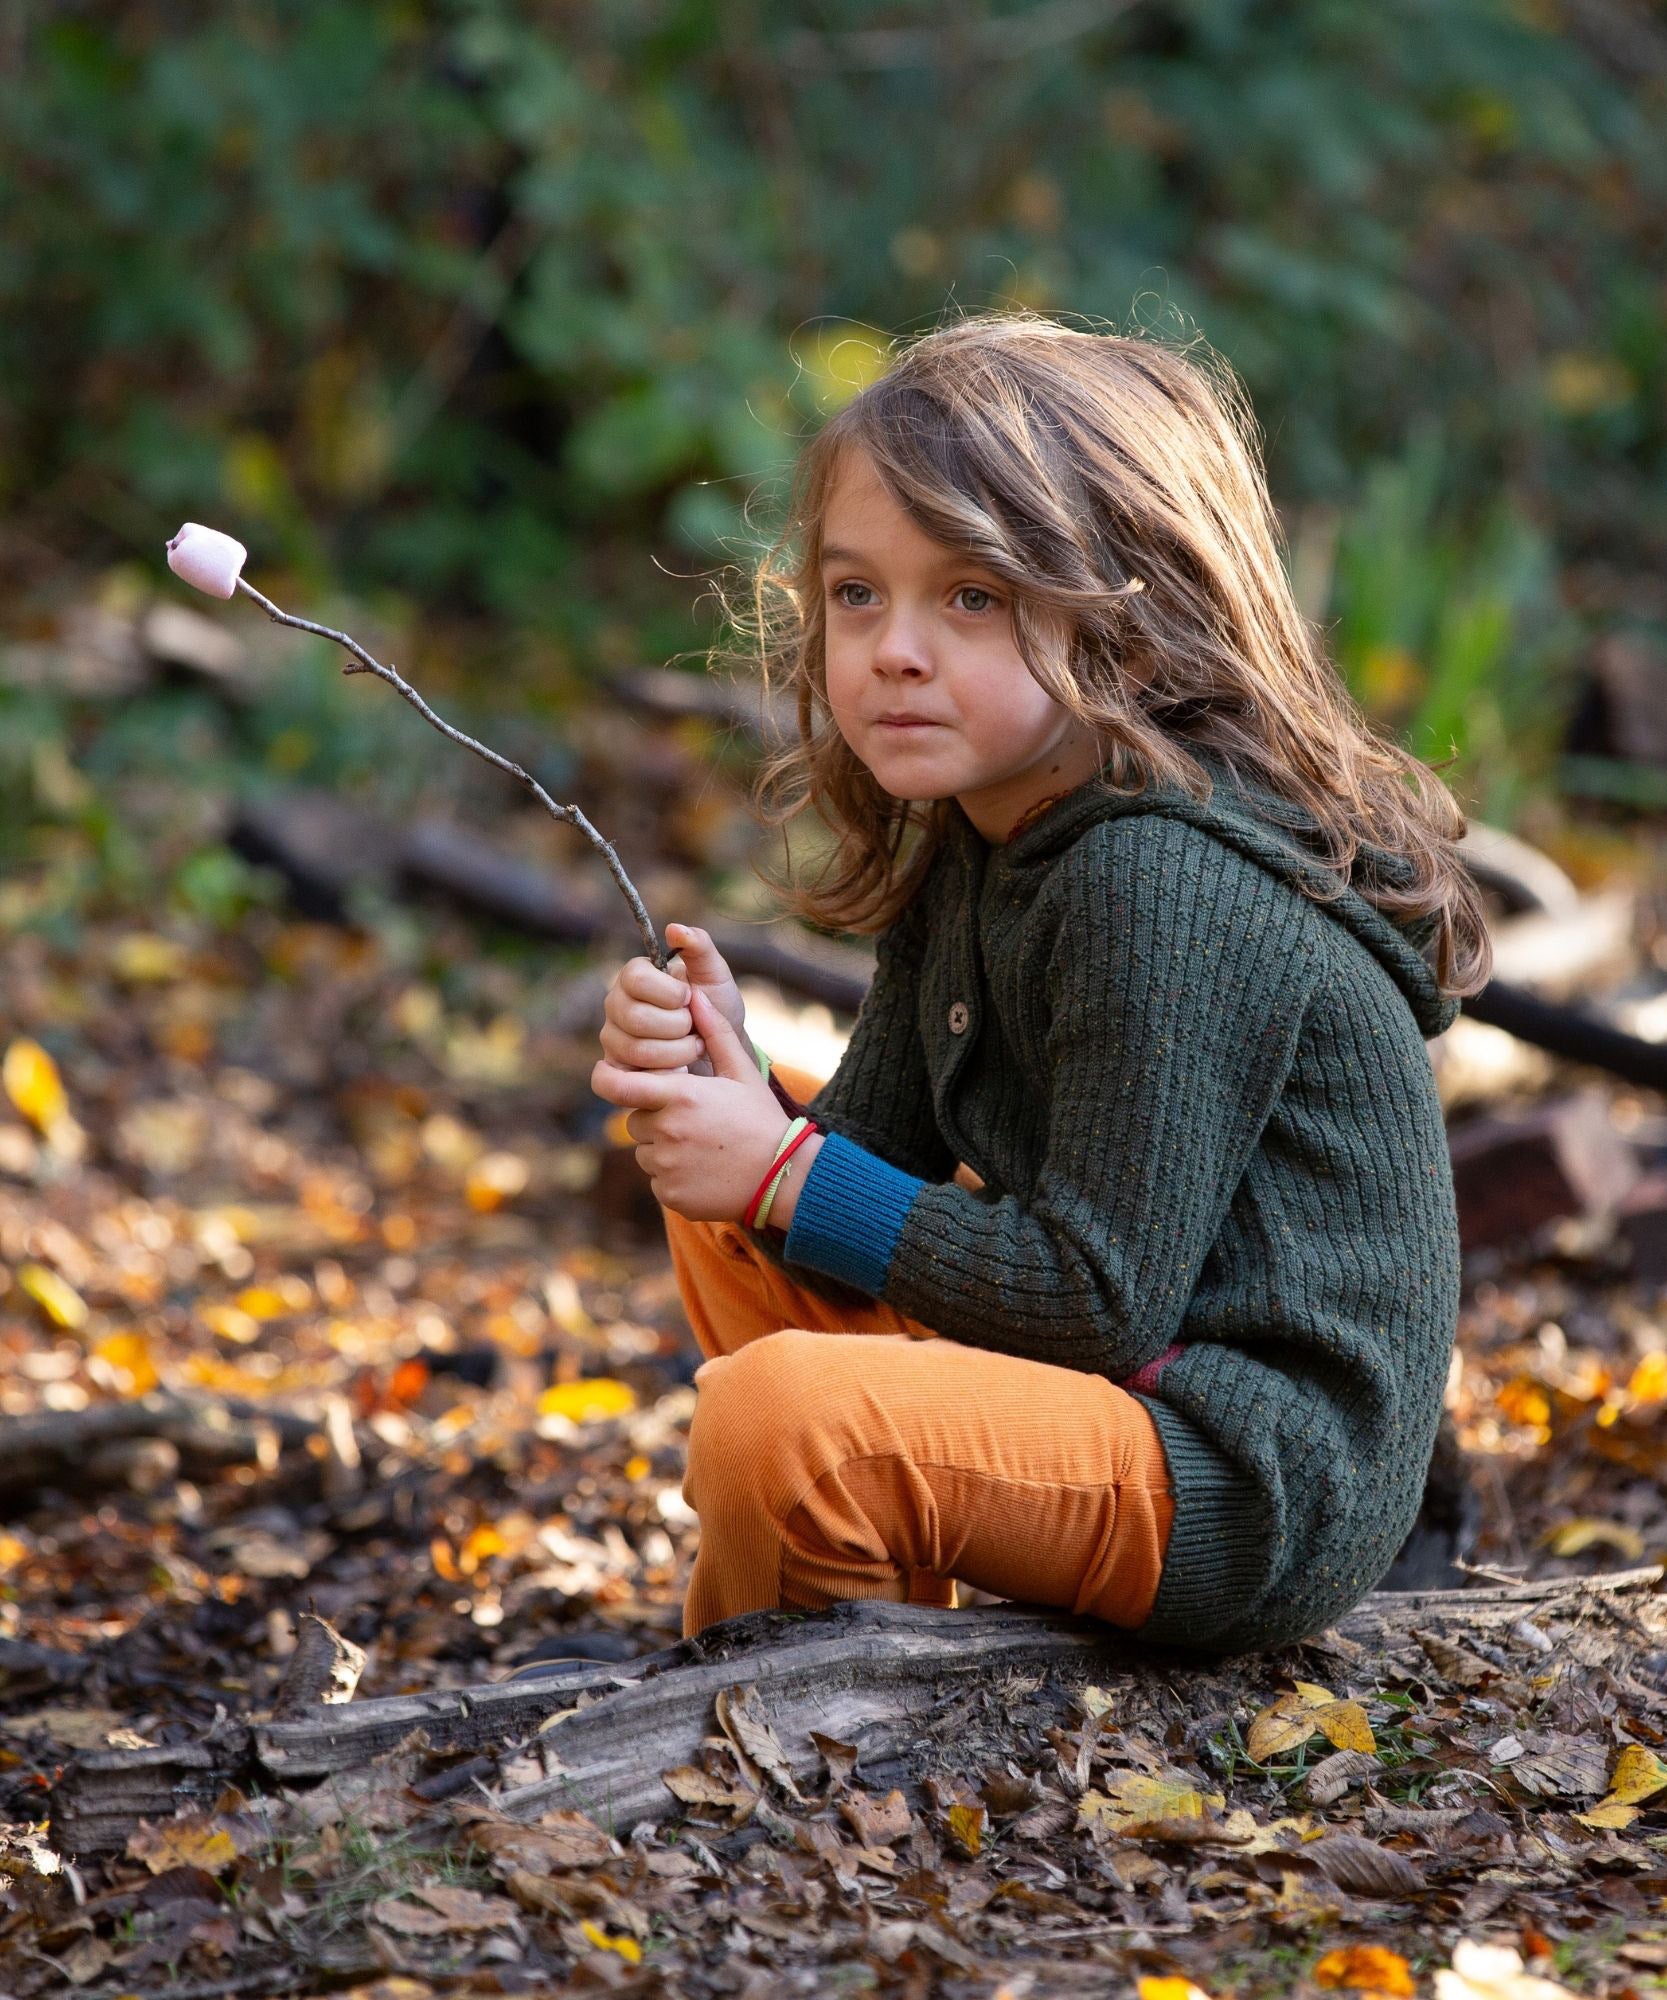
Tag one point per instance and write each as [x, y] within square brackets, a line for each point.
[646, 1022]
[705, 1142]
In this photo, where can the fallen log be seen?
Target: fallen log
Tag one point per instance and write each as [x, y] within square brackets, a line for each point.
[80, 1448]
[883, 1677]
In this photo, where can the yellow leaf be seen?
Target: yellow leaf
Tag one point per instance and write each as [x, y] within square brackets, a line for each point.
[584, 1402]
[261, 1302]
[12, 1551]
[1132, 1796]
[126, 1359]
[229, 1322]
[966, 1827]
[194, 1840]
[62, 1304]
[1638, 1774]
[1344, 1724]
[638, 1468]
[1292, 1719]
[1371, 1968]
[144, 959]
[1608, 1814]
[628, 1948]
[31, 1079]
[1152, 1988]
[1648, 1381]
[1573, 1538]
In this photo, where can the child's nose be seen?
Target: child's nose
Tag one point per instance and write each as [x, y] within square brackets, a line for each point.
[903, 647]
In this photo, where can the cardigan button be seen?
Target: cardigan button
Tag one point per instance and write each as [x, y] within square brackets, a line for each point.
[958, 1018]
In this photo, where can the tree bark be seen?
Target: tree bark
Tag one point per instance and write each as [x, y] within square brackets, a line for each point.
[884, 1677]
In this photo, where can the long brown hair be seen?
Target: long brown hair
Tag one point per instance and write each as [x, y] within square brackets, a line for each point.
[1114, 483]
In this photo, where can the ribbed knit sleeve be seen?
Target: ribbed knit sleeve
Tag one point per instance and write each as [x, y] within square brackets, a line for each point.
[1169, 1006]
[881, 1094]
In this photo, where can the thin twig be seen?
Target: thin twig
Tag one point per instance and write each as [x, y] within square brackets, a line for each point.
[568, 815]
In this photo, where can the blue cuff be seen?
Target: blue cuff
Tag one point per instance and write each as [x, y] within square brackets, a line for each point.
[849, 1214]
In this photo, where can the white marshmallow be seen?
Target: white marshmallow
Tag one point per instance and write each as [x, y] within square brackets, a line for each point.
[208, 560]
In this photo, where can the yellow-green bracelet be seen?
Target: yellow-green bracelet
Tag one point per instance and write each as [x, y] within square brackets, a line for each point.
[776, 1179]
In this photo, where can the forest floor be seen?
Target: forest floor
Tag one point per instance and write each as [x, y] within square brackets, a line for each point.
[348, 1208]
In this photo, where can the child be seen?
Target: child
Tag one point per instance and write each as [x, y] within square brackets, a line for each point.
[1162, 927]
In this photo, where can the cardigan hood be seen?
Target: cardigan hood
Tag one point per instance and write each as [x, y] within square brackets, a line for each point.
[1268, 830]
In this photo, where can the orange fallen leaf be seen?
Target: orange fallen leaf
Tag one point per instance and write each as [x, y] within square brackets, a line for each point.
[193, 1840]
[126, 1361]
[1369, 1968]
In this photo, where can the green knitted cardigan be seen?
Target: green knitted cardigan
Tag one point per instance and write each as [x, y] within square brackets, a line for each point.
[1214, 1165]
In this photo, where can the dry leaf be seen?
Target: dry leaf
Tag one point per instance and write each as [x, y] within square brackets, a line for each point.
[1369, 1968]
[966, 1829]
[410, 1919]
[1353, 1862]
[741, 1717]
[840, 1758]
[1292, 1719]
[1563, 1764]
[1456, 1665]
[561, 1839]
[696, 1787]
[876, 1822]
[1333, 1775]
[1132, 1797]
[192, 1840]
[466, 1909]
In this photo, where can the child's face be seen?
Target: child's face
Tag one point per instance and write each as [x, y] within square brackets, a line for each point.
[915, 629]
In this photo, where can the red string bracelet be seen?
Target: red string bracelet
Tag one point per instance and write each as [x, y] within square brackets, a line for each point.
[775, 1168]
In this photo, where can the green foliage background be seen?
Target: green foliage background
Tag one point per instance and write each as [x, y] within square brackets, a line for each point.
[500, 310]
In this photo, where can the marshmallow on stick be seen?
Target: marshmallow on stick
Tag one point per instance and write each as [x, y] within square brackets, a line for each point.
[212, 562]
[208, 560]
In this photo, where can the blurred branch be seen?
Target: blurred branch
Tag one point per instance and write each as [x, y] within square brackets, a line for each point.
[568, 815]
[1006, 39]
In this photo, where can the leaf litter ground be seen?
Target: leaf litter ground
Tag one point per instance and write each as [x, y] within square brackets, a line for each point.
[369, 1233]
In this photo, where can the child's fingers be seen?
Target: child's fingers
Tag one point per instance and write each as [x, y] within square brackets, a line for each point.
[636, 1089]
[648, 1052]
[647, 1023]
[702, 957]
[641, 979]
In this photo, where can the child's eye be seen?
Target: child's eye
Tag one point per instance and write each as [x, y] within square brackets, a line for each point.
[978, 590]
[840, 599]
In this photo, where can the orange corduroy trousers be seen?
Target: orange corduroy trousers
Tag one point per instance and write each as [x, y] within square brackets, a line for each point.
[838, 1454]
